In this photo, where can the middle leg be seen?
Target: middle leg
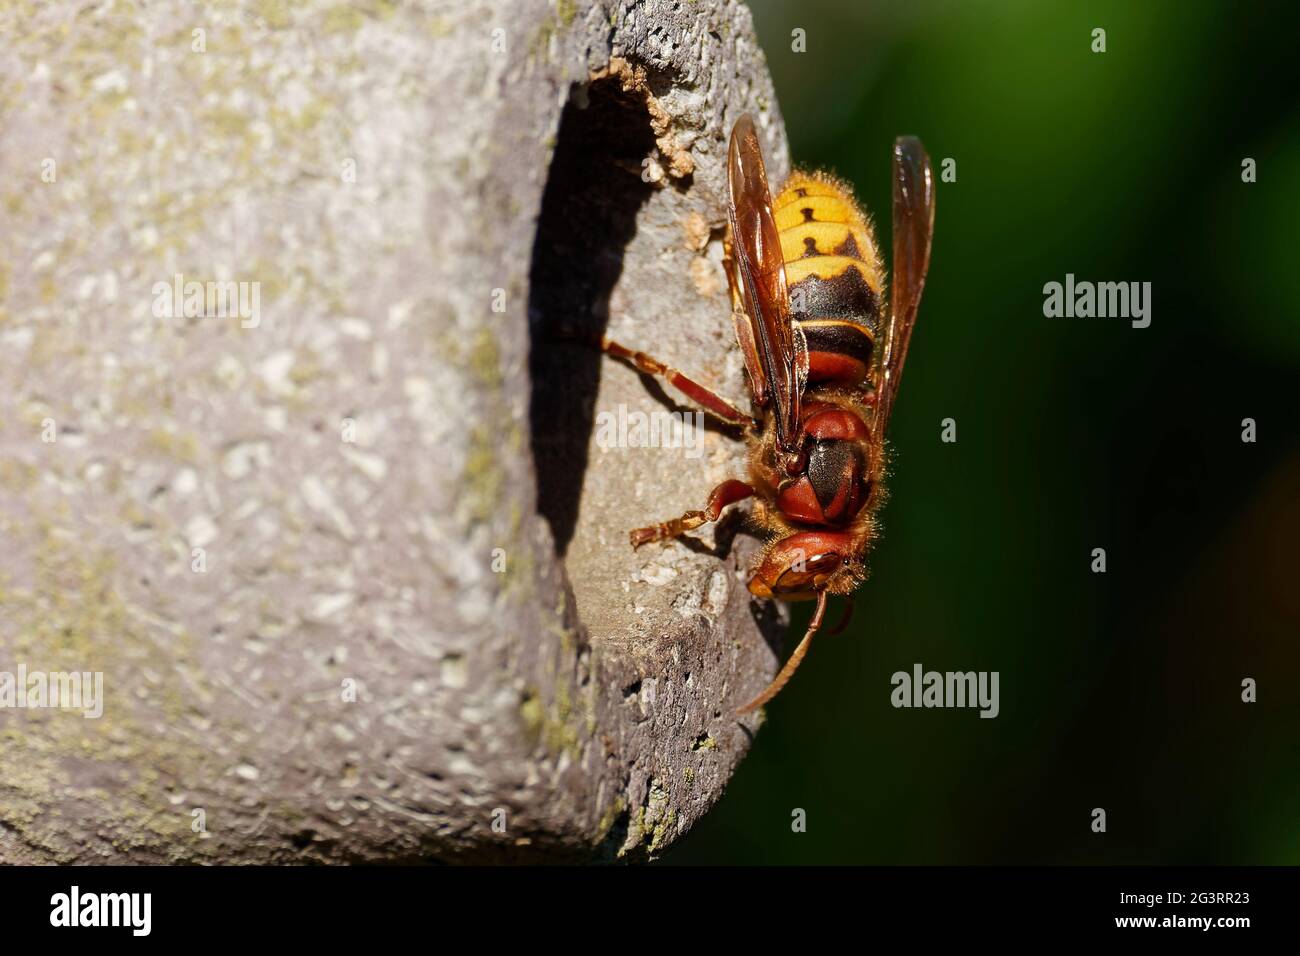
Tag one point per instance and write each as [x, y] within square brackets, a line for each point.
[729, 492]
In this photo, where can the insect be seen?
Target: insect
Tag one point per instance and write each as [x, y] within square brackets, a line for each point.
[823, 364]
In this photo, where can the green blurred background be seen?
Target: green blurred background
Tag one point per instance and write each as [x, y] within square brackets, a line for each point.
[1119, 690]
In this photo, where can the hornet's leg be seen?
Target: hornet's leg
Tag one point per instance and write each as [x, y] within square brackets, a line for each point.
[729, 492]
[706, 398]
[792, 664]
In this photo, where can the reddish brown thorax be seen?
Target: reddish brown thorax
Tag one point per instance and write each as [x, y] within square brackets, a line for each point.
[832, 487]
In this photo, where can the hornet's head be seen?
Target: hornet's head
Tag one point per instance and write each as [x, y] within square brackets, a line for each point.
[797, 567]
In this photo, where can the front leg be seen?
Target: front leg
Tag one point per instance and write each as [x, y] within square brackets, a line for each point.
[727, 493]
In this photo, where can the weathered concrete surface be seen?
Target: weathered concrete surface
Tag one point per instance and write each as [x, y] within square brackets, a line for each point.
[351, 677]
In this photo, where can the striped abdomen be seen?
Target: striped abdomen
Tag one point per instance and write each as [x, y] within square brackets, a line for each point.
[834, 274]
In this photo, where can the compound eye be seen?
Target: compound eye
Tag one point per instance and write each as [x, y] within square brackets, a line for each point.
[824, 563]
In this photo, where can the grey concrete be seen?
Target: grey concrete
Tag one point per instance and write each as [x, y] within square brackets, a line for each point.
[351, 677]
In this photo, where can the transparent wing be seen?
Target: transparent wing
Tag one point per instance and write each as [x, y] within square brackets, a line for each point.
[760, 271]
[913, 232]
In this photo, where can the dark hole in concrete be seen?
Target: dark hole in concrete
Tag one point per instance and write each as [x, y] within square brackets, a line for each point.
[589, 211]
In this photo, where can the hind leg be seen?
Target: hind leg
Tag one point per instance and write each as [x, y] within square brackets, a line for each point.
[707, 399]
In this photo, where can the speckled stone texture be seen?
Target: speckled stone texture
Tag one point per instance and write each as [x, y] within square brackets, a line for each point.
[304, 544]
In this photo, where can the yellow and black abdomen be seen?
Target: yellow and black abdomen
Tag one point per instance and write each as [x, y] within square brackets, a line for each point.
[834, 274]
